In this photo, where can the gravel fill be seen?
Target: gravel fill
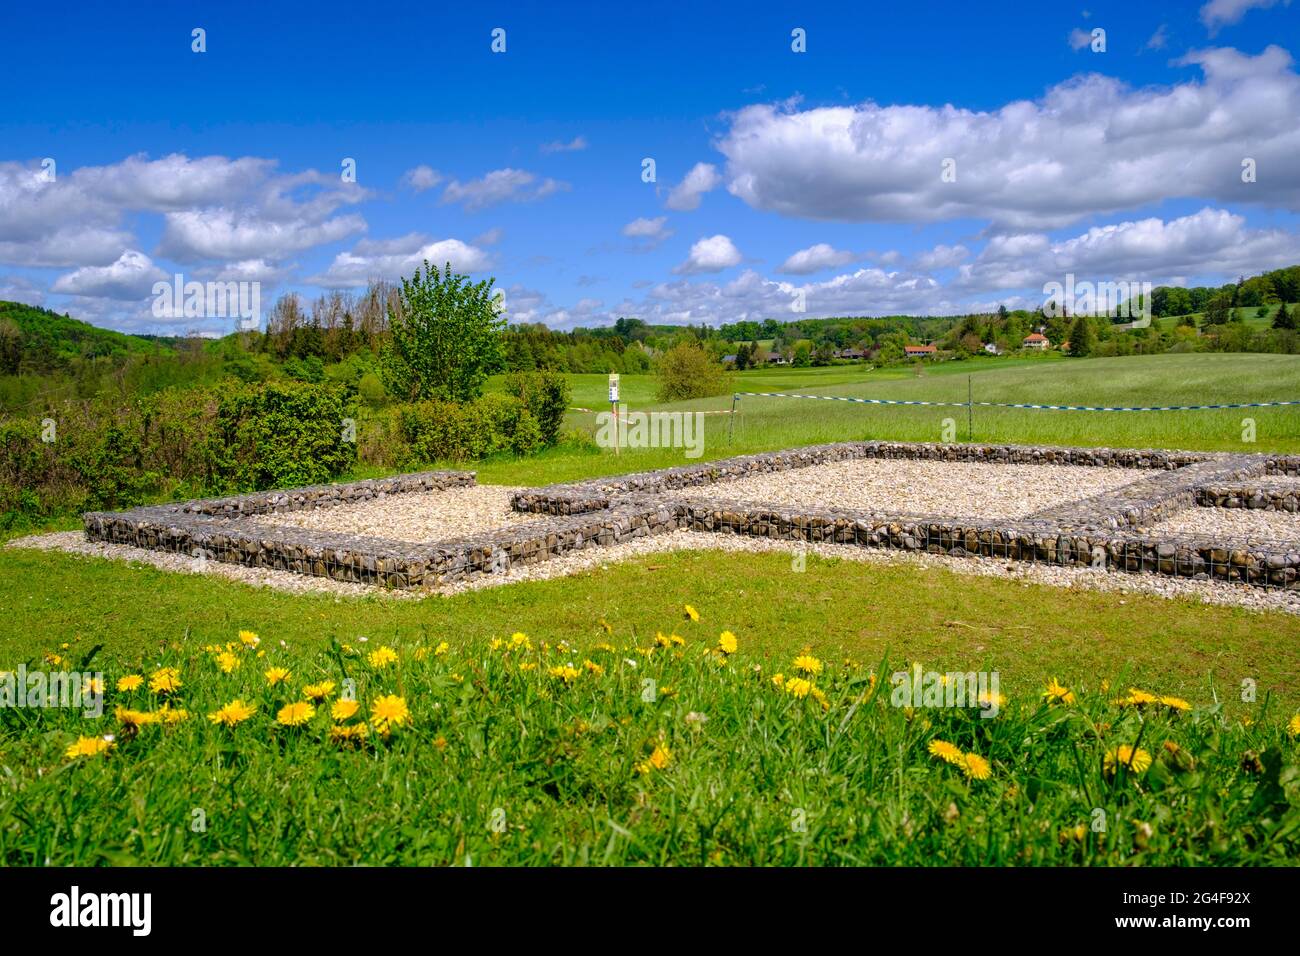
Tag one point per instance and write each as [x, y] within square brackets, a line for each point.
[1280, 527]
[897, 486]
[417, 516]
[595, 560]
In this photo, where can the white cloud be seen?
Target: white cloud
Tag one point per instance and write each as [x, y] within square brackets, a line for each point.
[489, 238]
[814, 259]
[1079, 39]
[131, 277]
[1218, 13]
[1090, 145]
[712, 254]
[1160, 39]
[941, 257]
[573, 146]
[685, 196]
[647, 228]
[221, 233]
[20, 289]
[420, 178]
[395, 258]
[500, 185]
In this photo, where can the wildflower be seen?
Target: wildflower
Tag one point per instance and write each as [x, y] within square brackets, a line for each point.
[605, 625]
[440, 742]
[134, 718]
[778, 681]
[129, 683]
[976, 767]
[228, 662]
[805, 663]
[495, 644]
[1056, 694]
[381, 657]
[389, 712]
[691, 613]
[1137, 698]
[565, 672]
[441, 649]
[1137, 760]
[171, 715]
[798, 686]
[1076, 833]
[1293, 726]
[520, 639]
[945, 751]
[165, 680]
[89, 747]
[344, 709]
[95, 685]
[349, 733]
[318, 691]
[276, 675]
[249, 639]
[662, 640]
[1175, 703]
[660, 759]
[232, 713]
[53, 659]
[593, 668]
[727, 642]
[988, 699]
[526, 666]
[295, 714]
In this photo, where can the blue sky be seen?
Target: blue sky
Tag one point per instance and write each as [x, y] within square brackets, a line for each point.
[777, 172]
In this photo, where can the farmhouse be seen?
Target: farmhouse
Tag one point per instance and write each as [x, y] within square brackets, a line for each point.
[851, 353]
[919, 351]
[1035, 341]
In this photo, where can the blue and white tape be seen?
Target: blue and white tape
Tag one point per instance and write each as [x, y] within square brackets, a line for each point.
[1060, 408]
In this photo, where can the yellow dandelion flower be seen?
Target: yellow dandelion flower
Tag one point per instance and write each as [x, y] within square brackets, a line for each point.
[295, 714]
[662, 640]
[88, 747]
[319, 691]
[727, 642]
[520, 639]
[165, 680]
[778, 681]
[389, 712]
[565, 672]
[660, 759]
[249, 639]
[381, 657]
[1137, 761]
[134, 718]
[1175, 703]
[349, 733]
[593, 667]
[526, 666]
[228, 662]
[232, 713]
[130, 682]
[1137, 698]
[54, 659]
[1293, 726]
[344, 709]
[691, 613]
[168, 714]
[276, 675]
[1057, 694]
[945, 751]
[441, 649]
[807, 664]
[799, 687]
[976, 767]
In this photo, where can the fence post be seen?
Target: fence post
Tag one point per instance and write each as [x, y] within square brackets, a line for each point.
[731, 422]
[970, 411]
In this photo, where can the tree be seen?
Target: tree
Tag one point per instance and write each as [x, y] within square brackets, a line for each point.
[1082, 337]
[446, 337]
[1284, 319]
[686, 371]
[1218, 310]
[802, 355]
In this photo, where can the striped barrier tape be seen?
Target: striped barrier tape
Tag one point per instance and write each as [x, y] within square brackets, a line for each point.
[1061, 408]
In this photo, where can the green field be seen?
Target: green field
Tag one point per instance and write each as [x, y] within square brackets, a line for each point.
[769, 423]
[572, 771]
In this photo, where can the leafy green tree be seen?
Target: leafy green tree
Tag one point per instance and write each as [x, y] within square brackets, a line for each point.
[1083, 339]
[1284, 319]
[446, 337]
[687, 371]
[1218, 310]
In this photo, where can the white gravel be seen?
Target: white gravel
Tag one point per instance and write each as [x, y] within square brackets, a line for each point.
[418, 516]
[1254, 523]
[598, 559]
[951, 489]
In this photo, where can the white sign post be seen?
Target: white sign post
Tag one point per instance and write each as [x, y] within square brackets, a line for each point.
[613, 402]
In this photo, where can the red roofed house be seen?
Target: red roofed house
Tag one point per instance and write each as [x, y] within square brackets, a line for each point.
[1035, 341]
[919, 351]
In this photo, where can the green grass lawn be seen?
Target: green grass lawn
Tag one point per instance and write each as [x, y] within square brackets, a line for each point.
[507, 765]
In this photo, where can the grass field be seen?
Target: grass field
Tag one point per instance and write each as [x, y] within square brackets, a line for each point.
[510, 765]
[768, 423]
[498, 764]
